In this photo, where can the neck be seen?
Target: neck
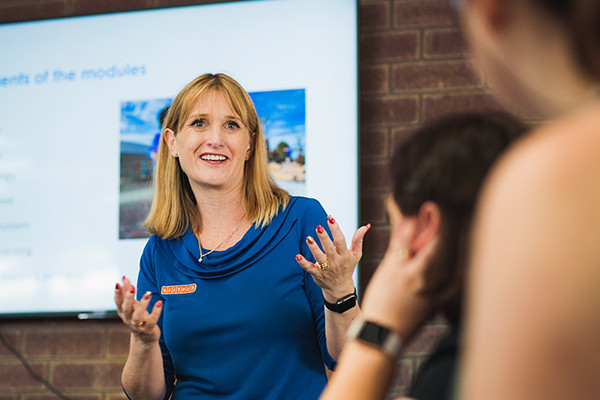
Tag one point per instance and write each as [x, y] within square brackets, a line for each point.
[219, 210]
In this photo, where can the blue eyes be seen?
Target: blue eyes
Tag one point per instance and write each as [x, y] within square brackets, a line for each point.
[201, 123]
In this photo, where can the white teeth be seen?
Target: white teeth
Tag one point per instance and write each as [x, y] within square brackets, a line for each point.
[213, 157]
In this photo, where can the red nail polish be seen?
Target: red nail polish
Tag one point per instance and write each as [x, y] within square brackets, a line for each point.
[132, 290]
[117, 286]
[309, 240]
[330, 219]
[320, 229]
[368, 227]
[159, 303]
[123, 278]
[298, 257]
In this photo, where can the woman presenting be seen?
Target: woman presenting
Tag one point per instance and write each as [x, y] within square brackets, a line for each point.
[223, 310]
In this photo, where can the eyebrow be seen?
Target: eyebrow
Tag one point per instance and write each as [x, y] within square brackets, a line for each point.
[205, 115]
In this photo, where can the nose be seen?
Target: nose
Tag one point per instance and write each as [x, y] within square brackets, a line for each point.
[215, 136]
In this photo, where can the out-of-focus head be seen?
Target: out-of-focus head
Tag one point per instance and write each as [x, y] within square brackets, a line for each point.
[445, 163]
[517, 42]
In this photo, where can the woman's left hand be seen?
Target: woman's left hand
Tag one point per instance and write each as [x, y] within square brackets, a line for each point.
[335, 265]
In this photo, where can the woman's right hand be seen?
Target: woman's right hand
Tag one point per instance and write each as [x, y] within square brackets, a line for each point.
[135, 315]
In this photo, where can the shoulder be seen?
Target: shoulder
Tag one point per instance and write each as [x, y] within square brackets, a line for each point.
[300, 204]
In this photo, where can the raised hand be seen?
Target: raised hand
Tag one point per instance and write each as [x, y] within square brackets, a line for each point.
[335, 264]
[134, 313]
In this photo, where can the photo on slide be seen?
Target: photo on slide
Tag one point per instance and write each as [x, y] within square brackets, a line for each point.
[282, 114]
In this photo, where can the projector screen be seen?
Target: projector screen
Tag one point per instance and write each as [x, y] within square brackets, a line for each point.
[79, 105]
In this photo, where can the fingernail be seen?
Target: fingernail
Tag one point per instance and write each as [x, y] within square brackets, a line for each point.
[368, 226]
[148, 293]
[319, 229]
[298, 257]
[132, 290]
[123, 278]
[117, 286]
[159, 303]
[309, 240]
[330, 219]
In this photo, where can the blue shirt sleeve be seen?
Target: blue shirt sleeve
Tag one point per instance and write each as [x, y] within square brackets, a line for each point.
[147, 282]
[313, 216]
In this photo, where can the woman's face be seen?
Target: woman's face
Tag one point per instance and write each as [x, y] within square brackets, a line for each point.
[212, 145]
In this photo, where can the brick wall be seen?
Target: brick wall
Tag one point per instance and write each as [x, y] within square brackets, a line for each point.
[413, 67]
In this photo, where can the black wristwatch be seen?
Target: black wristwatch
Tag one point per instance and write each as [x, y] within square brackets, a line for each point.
[343, 304]
[377, 336]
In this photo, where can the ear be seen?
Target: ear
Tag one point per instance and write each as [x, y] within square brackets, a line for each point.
[427, 227]
[251, 145]
[169, 137]
[494, 14]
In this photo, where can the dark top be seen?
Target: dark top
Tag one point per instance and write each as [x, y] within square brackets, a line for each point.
[435, 380]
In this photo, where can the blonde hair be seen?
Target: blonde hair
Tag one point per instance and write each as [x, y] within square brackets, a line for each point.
[174, 209]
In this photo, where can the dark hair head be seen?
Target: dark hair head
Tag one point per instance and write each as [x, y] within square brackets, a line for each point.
[445, 162]
[581, 19]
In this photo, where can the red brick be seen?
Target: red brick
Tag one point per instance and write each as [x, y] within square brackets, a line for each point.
[88, 7]
[118, 342]
[172, 3]
[374, 79]
[12, 337]
[80, 375]
[388, 110]
[398, 135]
[375, 176]
[373, 209]
[422, 13]
[438, 105]
[377, 242]
[444, 43]
[373, 143]
[14, 375]
[426, 340]
[368, 264]
[74, 344]
[378, 47]
[29, 11]
[374, 16]
[435, 76]
[8, 397]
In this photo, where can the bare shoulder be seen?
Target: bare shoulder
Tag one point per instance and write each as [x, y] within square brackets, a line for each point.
[536, 266]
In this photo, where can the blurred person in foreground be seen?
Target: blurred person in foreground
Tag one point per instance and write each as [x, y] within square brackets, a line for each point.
[436, 175]
[533, 311]
[223, 311]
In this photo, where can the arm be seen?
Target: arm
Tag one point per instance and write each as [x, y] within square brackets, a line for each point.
[142, 375]
[533, 304]
[392, 300]
[336, 280]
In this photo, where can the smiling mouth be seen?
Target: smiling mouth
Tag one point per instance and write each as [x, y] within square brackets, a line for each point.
[212, 157]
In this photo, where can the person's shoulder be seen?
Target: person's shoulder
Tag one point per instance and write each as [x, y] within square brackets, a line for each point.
[557, 159]
[301, 203]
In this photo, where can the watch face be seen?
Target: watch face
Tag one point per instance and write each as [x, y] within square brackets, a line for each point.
[373, 333]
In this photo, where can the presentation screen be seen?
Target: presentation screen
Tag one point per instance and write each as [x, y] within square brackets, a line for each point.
[80, 101]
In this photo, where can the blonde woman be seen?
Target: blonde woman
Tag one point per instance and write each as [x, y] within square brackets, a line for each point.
[223, 310]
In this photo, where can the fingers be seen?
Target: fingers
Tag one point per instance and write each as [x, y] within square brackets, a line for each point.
[306, 265]
[338, 237]
[357, 240]
[317, 253]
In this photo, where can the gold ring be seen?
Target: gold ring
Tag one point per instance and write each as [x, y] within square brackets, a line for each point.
[323, 265]
[137, 323]
[404, 253]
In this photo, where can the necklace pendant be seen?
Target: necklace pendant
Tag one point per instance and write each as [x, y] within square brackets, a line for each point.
[201, 258]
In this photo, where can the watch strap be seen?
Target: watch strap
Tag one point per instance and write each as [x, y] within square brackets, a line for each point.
[342, 305]
[377, 336]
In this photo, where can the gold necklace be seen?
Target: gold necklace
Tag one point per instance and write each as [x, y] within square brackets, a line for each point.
[220, 244]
